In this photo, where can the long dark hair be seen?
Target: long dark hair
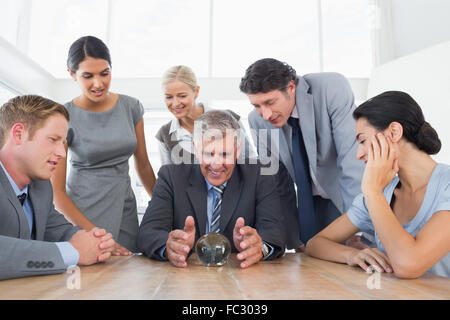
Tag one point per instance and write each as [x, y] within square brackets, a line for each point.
[88, 46]
[383, 109]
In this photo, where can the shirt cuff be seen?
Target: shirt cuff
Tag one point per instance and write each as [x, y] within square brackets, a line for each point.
[161, 253]
[69, 254]
[271, 250]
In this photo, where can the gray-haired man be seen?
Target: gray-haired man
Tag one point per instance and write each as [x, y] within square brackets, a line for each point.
[184, 202]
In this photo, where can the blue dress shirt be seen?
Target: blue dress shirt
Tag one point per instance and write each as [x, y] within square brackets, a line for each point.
[68, 253]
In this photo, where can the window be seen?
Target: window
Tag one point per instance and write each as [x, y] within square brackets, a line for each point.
[6, 94]
[9, 20]
[346, 37]
[245, 31]
[216, 38]
[55, 25]
[148, 37]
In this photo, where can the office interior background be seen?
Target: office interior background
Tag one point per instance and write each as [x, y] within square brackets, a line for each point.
[378, 45]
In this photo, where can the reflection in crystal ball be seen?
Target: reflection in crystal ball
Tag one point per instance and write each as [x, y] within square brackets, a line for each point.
[213, 249]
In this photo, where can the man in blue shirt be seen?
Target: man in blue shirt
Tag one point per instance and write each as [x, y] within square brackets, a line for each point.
[218, 195]
[34, 237]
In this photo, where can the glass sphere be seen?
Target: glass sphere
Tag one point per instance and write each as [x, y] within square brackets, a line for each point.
[213, 249]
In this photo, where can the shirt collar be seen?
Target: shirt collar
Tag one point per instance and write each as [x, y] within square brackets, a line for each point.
[175, 123]
[16, 189]
[174, 126]
[294, 113]
[209, 185]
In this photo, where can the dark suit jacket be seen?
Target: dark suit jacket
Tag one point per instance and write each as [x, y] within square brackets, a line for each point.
[286, 192]
[20, 256]
[180, 192]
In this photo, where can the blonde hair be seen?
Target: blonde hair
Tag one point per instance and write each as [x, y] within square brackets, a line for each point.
[180, 73]
[31, 110]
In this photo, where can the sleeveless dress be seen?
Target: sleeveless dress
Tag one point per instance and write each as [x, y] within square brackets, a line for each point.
[100, 145]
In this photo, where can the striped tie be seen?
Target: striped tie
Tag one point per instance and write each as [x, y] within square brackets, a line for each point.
[215, 220]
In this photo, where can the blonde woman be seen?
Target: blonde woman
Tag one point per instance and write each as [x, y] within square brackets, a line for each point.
[180, 93]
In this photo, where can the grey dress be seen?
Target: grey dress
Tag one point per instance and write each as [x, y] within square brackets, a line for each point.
[100, 145]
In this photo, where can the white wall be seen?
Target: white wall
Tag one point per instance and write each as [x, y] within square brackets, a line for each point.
[418, 24]
[19, 72]
[425, 75]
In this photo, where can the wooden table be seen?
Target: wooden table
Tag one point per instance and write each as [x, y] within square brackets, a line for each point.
[295, 276]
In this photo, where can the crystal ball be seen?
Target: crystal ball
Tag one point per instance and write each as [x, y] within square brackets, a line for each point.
[213, 249]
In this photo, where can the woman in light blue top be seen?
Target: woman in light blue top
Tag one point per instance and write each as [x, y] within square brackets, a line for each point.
[405, 196]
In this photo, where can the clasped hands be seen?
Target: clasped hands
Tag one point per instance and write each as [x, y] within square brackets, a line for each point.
[246, 239]
[93, 246]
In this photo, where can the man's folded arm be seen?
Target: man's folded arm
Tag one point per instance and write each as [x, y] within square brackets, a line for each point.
[24, 258]
[274, 251]
[269, 217]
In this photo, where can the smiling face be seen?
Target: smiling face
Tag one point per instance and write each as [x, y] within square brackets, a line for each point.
[180, 98]
[94, 78]
[40, 153]
[275, 106]
[218, 158]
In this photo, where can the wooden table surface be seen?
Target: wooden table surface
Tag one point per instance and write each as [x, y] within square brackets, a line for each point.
[295, 276]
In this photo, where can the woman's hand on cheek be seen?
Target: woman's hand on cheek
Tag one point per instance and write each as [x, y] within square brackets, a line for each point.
[382, 164]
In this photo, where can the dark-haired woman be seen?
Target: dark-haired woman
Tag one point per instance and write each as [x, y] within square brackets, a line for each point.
[105, 130]
[405, 194]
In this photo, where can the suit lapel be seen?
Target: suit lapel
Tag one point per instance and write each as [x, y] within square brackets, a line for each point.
[305, 108]
[197, 196]
[231, 197]
[285, 152]
[280, 148]
[24, 229]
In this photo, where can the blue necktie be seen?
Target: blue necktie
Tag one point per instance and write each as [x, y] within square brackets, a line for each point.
[306, 217]
[215, 220]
